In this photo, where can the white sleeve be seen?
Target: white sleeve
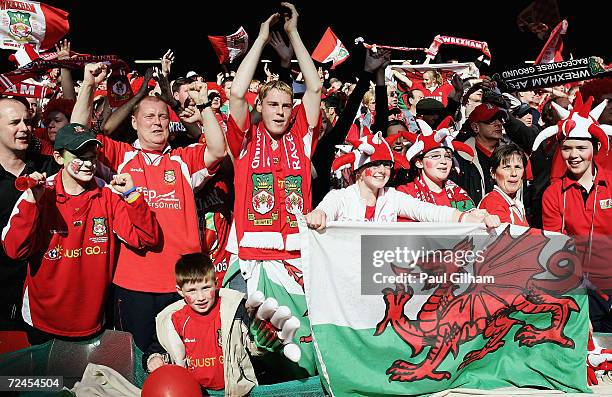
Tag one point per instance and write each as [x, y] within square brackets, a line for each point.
[331, 204]
[408, 206]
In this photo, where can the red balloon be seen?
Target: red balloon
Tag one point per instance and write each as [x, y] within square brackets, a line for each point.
[171, 381]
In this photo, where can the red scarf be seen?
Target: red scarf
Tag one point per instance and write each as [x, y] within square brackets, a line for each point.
[274, 191]
[458, 197]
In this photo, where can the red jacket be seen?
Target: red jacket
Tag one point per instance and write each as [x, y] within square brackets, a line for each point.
[508, 210]
[589, 223]
[71, 253]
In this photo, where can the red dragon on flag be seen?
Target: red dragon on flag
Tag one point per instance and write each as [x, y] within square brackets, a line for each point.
[448, 320]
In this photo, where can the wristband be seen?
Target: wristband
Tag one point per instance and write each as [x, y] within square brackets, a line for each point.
[203, 106]
[129, 191]
[133, 197]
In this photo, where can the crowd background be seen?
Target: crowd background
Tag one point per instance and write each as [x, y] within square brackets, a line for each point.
[138, 31]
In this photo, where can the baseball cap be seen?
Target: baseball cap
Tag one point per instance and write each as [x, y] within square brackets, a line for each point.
[74, 137]
[191, 74]
[486, 112]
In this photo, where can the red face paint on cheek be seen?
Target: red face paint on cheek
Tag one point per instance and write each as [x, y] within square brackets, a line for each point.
[188, 299]
[429, 163]
[368, 172]
[75, 166]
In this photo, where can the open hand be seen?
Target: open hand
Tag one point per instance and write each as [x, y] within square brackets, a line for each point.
[62, 49]
[166, 62]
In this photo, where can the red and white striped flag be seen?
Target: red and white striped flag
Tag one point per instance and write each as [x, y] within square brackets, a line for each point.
[230, 47]
[330, 49]
[551, 52]
[30, 22]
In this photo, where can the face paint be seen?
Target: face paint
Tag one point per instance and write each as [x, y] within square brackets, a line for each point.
[75, 165]
[368, 172]
[79, 168]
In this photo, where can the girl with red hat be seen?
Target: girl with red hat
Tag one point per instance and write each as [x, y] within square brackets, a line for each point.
[369, 200]
[432, 155]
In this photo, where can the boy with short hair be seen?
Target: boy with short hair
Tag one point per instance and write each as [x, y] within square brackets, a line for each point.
[206, 332]
[64, 227]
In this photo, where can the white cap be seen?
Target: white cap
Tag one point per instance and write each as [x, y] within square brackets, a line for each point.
[191, 74]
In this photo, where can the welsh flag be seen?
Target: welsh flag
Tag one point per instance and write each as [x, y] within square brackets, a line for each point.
[30, 22]
[230, 47]
[330, 49]
[419, 308]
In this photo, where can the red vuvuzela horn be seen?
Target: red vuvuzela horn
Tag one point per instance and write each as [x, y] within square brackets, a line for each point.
[24, 183]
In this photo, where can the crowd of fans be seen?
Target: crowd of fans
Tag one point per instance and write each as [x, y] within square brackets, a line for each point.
[208, 178]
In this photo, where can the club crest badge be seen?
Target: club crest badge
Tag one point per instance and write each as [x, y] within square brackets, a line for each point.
[263, 193]
[99, 227]
[20, 26]
[294, 202]
[169, 177]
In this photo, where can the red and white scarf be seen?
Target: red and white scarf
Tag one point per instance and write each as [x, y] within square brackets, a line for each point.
[276, 189]
[454, 192]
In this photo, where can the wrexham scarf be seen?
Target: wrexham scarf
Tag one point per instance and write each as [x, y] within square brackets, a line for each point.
[552, 74]
[438, 41]
[117, 96]
[458, 197]
[276, 189]
[29, 90]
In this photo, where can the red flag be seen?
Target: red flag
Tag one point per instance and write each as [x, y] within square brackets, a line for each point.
[230, 47]
[551, 52]
[30, 22]
[330, 49]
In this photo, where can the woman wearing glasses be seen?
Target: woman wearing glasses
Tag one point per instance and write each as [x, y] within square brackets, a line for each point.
[369, 200]
[508, 164]
[431, 158]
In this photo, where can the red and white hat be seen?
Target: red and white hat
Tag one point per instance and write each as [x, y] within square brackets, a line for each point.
[367, 149]
[441, 138]
[580, 122]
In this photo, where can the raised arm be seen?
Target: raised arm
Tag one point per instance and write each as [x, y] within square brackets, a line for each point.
[239, 108]
[312, 97]
[215, 139]
[63, 52]
[117, 117]
[94, 74]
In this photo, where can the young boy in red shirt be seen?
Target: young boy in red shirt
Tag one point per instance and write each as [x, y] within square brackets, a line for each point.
[206, 331]
[64, 226]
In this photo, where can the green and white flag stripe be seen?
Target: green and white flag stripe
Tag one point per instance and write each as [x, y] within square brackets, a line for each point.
[355, 359]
